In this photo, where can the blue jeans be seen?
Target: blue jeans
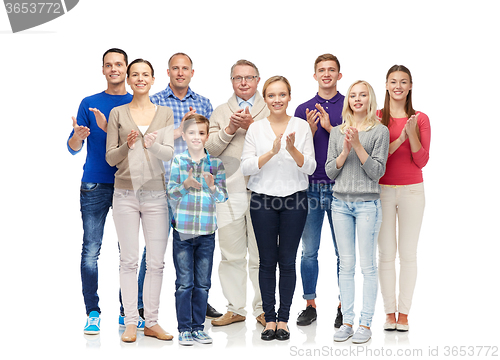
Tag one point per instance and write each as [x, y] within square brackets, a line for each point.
[319, 197]
[193, 259]
[278, 223]
[95, 201]
[363, 218]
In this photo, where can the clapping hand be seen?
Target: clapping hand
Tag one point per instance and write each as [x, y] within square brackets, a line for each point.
[131, 139]
[149, 139]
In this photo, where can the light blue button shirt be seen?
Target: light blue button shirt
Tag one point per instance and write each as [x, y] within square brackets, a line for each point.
[246, 103]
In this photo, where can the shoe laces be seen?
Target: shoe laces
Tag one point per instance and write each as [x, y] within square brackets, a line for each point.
[93, 320]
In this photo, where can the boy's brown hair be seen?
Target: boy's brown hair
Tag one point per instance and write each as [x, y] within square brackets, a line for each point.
[195, 118]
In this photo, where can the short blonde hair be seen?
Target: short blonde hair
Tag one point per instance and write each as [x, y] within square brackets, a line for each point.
[371, 119]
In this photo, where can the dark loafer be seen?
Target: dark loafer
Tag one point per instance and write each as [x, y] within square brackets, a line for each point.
[268, 334]
[282, 334]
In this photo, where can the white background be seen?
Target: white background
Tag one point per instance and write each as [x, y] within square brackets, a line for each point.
[451, 47]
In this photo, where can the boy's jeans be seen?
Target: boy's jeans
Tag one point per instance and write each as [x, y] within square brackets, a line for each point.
[193, 259]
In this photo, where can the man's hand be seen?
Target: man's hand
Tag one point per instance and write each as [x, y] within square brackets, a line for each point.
[100, 119]
[178, 131]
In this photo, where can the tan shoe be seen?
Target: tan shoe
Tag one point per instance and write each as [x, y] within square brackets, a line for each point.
[228, 318]
[130, 333]
[261, 319]
[157, 332]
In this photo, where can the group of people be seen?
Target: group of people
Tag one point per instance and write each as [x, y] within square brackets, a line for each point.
[263, 180]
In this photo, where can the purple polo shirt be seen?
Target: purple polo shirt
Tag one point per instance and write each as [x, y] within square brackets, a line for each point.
[321, 138]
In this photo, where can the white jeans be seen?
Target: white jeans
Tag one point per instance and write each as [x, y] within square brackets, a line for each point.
[129, 209]
[403, 205]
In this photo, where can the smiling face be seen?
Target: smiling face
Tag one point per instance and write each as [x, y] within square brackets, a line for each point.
[277, 96]
[114, 68]
[140, 78]
[359, 99]
[195, 135]
[327, 74]
[245, 89]
[398, 85]
[180, 72]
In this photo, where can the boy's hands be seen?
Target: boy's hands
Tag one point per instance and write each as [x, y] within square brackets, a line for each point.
[191, 182]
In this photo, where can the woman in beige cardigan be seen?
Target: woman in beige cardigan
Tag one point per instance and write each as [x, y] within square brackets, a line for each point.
[140, 138]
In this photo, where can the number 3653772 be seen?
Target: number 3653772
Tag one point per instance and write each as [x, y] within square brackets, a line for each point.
[33, 8]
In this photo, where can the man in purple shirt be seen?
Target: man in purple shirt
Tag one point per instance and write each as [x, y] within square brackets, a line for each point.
[319, 194]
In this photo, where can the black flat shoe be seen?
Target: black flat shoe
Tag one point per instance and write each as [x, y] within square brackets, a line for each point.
[268, 334]
[282, 334]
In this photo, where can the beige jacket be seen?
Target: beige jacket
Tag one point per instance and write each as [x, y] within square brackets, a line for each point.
[139, 168]
[229, 147]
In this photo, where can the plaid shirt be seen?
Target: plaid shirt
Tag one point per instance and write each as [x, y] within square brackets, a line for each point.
[195, 209]
[180, 107]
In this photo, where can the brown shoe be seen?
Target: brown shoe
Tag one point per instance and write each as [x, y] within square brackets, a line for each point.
[261, 319]
[158, 333]
[228, 318]
[130, 333]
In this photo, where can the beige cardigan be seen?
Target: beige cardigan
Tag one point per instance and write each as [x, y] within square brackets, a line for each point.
[139, 168]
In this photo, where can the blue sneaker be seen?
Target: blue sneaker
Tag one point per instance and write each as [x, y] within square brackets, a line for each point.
[140, 325]
[185, 338]
[93, 325]
[201, 337]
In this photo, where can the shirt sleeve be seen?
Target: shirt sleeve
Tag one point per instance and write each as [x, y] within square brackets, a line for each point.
[163, 147]
[249, 158]
[220, 195]
[175, 187]
[309, 157]
[374, 166]
[82, 119]
[331, 160]
[115, 153]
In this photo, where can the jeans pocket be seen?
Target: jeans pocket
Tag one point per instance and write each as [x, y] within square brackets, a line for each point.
[158, 194]
[88, 186]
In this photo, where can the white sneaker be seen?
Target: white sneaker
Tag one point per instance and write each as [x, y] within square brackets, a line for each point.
[344, 333]
[362, 335]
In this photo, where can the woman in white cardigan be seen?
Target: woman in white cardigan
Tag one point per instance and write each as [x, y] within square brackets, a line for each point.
[278, 155]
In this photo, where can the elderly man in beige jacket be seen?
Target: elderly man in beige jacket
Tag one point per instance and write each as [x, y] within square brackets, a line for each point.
[228, 126]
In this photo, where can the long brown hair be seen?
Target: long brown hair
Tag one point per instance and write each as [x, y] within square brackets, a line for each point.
[386, 111]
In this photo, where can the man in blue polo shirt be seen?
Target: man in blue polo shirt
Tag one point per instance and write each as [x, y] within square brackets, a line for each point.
[184, 102]
[96, 192]
[319, 194]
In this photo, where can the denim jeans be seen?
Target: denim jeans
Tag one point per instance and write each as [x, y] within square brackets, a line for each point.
[319, 197]
[363, 218]
[95, 201]
[278, 224]
[193, 259]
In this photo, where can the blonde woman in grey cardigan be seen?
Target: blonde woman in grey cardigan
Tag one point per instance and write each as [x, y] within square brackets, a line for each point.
[140, 137]
[357, 154]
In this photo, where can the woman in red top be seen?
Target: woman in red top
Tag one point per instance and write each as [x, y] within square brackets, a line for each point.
[402, 195]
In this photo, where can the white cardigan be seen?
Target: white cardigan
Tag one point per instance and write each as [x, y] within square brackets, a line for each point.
[280, 176]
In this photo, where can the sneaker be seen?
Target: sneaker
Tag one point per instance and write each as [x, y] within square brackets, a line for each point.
[307, 316]
[140, 324]
[185, 338]
[344, 333]
[93, 325]
[212, 313]
[362, 335]
[201, 337]
[339, 319]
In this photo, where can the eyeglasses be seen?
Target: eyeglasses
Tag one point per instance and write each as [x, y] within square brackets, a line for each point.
[238, 79]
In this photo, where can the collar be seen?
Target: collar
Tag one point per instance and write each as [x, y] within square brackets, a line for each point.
[333, 100]
[170, 93]
[251, 101]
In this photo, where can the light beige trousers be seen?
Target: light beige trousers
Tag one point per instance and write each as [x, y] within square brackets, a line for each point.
[236, 240]
[129, 209]
[402, 213]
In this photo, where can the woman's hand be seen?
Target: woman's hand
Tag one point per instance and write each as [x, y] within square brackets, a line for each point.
[100, 119]
[290, 142]
[131, 139]
[411, 127]
[353, 137]
[276, 145]
[149, 139]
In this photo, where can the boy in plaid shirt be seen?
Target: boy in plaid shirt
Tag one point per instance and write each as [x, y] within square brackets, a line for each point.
[196, 183]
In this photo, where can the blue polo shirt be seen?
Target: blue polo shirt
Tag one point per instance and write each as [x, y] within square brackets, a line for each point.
[96, 169]
[321, 138]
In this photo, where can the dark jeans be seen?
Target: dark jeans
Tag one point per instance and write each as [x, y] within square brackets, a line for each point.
[278, 223]
[95, 201]
[193, 258]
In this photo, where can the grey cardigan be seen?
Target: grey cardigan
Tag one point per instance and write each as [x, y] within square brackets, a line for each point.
[355, 181]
